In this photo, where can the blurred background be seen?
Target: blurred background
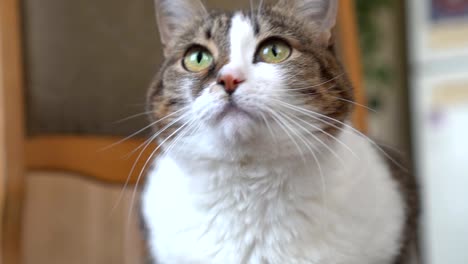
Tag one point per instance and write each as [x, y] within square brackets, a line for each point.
[72, 72]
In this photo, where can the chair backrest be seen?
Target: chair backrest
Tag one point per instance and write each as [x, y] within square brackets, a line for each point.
[11, 132]
[81, 152]
[348, 33]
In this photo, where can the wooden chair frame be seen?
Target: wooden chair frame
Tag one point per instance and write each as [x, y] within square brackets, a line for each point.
[12, 163]
[81, 154]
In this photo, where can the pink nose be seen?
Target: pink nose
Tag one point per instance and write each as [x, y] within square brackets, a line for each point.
[230, 81]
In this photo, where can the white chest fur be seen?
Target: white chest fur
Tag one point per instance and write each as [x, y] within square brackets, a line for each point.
[276, 212]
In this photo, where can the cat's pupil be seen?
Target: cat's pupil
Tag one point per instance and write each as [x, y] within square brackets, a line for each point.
[274, 50]
[199, 57]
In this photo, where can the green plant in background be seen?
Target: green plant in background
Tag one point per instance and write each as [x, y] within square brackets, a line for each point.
[379, 73]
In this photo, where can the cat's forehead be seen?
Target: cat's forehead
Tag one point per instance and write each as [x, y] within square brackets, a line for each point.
[221, 29]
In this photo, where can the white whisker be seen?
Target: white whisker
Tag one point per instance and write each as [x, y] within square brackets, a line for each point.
[189, 131]
[320, 84]
[291, 107]
[309, 146]
[141, 130]
[355, 103]
[148, 142]
[267, 124]
[317, 117]
[179, 136]
[285, 128]
[131, 117]
[316, 138]
[150, 158]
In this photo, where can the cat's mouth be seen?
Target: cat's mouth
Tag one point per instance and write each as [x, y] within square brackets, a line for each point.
[232, 110]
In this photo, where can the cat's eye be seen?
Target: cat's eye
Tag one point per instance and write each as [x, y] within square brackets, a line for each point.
[274, 51]
[197, 59]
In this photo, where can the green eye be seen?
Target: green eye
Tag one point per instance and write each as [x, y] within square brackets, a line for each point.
[198, 59]
[274, 51]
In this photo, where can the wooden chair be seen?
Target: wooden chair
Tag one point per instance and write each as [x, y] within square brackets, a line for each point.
[19, 153]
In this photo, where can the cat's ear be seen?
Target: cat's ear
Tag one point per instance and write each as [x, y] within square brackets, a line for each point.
[322, 12]
[173, 15]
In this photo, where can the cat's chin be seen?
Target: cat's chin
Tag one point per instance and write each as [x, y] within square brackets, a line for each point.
[236, 130]
[235, 125]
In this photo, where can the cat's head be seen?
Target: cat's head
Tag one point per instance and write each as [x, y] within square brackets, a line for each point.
[240, 76]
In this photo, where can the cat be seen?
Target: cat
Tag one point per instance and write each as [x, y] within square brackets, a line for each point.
[258, 161]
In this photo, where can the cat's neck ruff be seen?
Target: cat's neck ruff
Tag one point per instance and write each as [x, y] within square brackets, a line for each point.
[202, 201]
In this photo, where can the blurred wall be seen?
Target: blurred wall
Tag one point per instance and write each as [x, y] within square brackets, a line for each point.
[88, 64]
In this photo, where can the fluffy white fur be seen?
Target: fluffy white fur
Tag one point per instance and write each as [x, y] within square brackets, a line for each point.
[239, 192]
[201, 209]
